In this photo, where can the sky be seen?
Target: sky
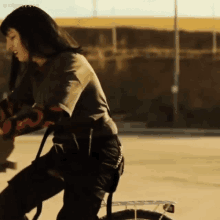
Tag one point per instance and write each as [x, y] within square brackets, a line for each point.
[84, 8]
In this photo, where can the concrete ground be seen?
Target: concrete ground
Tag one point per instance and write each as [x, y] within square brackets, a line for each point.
[178, 168]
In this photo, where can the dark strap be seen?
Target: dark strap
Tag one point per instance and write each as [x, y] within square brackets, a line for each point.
[117, 176]
[109, 206]
[46, 134]
[39, 210]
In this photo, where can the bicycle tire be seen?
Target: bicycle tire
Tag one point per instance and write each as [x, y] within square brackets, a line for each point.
[129, 214]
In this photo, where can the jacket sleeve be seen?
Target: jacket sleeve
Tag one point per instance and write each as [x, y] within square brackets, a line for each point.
[30, 120]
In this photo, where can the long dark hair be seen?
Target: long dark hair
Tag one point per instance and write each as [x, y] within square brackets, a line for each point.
[40, 35]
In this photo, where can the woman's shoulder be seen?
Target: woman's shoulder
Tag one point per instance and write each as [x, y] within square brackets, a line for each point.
[68, 58]
[69, 64]
[76, 62]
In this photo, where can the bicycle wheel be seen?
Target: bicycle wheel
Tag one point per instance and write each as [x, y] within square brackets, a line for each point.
[129, 214]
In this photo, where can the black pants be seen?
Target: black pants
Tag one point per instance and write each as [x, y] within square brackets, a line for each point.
[85, 183]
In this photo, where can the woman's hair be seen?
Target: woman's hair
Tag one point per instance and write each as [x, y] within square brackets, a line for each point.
[40, 35]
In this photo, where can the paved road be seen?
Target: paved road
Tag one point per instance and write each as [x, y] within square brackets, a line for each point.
[182, 169]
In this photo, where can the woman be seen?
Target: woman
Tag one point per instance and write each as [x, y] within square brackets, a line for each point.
[58, 88]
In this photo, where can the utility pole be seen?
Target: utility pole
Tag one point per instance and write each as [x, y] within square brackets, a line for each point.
[114, 32]
[214, 40]
[94, 9]
[175, 87]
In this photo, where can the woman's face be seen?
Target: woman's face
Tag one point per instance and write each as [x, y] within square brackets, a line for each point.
[14, 44]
